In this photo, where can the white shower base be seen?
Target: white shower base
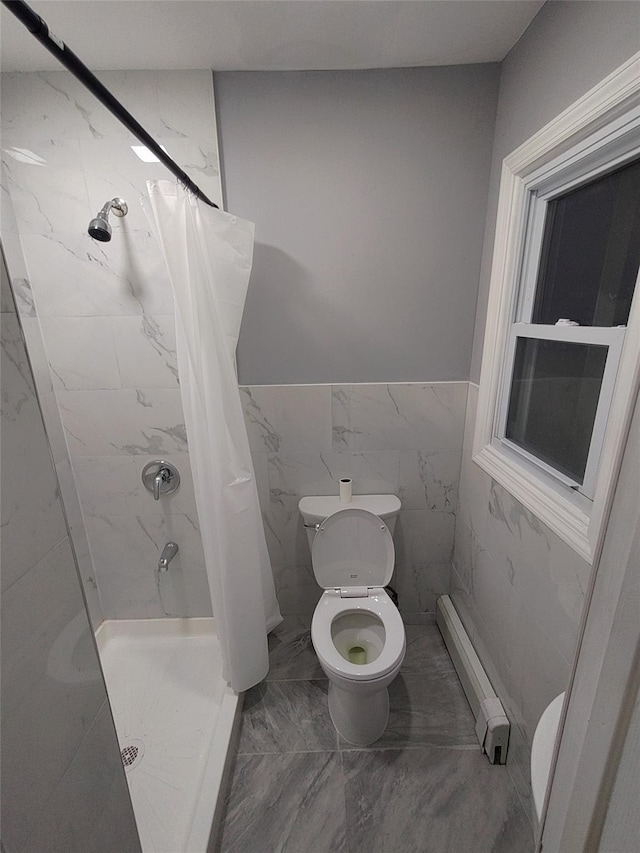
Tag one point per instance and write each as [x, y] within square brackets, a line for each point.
[173, 709]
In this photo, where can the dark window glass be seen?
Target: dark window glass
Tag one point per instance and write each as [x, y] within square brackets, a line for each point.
[591, 252]
[554, 396]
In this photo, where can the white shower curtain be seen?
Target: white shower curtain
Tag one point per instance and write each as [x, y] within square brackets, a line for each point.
[208, 254]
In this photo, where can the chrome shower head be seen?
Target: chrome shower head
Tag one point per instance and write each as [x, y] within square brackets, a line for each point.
[99, 227]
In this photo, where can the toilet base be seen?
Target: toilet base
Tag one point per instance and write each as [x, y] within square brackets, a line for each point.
[359, 717]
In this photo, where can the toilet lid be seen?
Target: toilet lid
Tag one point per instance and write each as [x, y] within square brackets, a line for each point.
[352, 547]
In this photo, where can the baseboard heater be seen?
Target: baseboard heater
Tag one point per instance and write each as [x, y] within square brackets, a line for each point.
[492, 725]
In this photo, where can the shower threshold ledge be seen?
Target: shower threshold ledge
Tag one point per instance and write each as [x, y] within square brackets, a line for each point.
[175, 718]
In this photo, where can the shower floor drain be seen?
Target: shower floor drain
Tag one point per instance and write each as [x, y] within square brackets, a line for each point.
[132, 753]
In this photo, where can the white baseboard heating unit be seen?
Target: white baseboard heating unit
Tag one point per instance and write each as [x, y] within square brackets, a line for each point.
[492, 725]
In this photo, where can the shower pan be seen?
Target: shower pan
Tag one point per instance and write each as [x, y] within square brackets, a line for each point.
[175, 716]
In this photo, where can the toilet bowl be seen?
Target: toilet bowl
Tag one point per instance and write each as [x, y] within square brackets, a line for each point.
[356, 631]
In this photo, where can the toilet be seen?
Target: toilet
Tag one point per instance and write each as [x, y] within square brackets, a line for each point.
[356, 631]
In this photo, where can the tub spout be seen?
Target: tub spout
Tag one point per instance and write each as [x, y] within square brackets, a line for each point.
[168, 553]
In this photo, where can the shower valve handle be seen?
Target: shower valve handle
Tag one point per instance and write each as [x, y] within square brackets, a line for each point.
[160, 478]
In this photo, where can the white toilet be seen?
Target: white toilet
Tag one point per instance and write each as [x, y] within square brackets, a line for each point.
[357, 631]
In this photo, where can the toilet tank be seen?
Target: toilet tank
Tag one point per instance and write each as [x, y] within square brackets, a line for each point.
[316, 508]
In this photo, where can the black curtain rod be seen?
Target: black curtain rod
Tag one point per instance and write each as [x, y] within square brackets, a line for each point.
[39, 29]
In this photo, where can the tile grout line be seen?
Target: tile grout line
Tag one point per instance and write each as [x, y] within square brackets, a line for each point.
[367, 749]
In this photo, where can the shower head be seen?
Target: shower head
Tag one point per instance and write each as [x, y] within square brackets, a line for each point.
[99, 227]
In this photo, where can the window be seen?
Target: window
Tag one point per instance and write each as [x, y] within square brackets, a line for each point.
[562, 341]
[583, 250]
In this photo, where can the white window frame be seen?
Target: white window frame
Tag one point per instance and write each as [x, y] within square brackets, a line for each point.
[612, 339]
[596, 133]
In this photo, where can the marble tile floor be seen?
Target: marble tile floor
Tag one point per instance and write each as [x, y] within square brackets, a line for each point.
[424, 787]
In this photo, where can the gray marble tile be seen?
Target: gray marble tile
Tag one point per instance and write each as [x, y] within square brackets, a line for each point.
[297, 590]
[125, 551]
[420, 585]
[287, 716]
[400, 416]
[52, 687]
[112, 485]
[122, 173]
[169, 104]
[295, 474]
[429, 479]
[31, 516]
[519, 765]
[285, 804]
[285, 418]
[291, 653]
[415, 617]
[120, 422]
[146, 351]
[91, 808]
[82, 352]
[422, 537]
[426, 709]
[425, 650]
[286, 537]
[129, 277]
[436, 800]
[24, 299]
[52, 193]
[42, 375]
[7, 305]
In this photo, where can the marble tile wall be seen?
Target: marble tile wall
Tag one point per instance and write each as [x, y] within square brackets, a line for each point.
[59, 745]
[32, 333]
[107, 372]
[519, 590]
[400, 438]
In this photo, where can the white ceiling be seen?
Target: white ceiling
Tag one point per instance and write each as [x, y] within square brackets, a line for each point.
[273, 35]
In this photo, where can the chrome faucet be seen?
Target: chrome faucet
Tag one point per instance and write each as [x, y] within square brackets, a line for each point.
[168, 553]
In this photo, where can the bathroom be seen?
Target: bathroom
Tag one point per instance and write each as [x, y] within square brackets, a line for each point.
[374, 195]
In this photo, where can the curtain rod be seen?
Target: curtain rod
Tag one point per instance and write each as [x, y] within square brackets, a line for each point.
[39, 29]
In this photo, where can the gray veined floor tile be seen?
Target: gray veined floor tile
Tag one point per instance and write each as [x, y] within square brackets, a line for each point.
[287, 716]
[418, 618]
[291, 653]
[288, 803]
[426, 709]
[425, 650]
[431, 800]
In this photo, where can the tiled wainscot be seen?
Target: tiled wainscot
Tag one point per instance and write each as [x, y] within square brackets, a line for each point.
[400, 438]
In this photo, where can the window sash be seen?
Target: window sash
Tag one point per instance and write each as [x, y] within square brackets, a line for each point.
[541, 188]
[610, 337]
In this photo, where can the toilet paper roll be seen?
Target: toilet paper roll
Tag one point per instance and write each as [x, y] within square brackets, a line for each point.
[346, 490]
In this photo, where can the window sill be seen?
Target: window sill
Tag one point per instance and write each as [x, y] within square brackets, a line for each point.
[562, 514]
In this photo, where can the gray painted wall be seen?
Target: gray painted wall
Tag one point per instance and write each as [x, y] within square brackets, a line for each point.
[567, 50]
[368, 190]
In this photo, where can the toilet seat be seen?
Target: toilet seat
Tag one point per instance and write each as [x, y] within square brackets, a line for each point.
[332, 605]
[353, 558]
[352, 548]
